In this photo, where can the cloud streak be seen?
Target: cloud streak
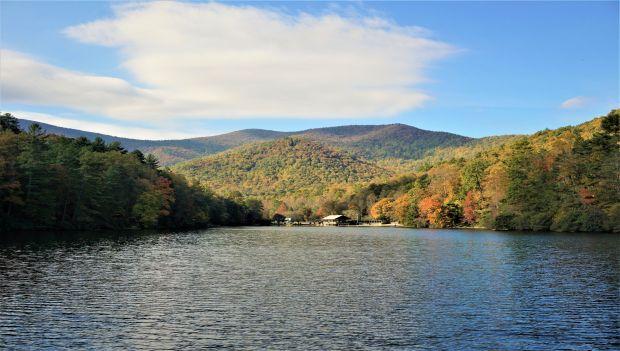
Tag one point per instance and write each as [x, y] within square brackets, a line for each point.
[213, 60]
[575, 102]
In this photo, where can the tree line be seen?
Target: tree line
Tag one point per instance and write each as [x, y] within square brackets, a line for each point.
[54, 182]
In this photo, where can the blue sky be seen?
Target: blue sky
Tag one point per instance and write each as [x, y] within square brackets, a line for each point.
[472, 68]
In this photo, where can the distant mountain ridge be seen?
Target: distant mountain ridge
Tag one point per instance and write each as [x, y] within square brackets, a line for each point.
[369, 141]
[386, 141]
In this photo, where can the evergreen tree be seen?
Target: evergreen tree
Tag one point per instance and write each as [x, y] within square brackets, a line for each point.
[9, 123]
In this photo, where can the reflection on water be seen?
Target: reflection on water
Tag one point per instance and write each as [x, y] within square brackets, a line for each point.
[311, 288]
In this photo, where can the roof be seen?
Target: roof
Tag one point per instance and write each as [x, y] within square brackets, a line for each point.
[330, 217]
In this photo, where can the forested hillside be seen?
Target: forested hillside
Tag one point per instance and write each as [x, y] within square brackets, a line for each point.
[54, 182]
[276, 168]
[562, 180]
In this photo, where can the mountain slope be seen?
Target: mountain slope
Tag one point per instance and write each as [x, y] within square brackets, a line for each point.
[564, 179]
[283, 166]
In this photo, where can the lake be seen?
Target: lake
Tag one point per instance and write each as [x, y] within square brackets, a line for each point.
[311, 288]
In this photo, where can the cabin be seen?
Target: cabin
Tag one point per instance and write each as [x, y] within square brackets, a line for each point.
[335, 220]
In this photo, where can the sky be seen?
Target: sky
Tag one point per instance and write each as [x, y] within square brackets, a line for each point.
[164, 70]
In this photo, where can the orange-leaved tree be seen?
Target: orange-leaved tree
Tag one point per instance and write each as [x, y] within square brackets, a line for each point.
[383, 210]
[430, 209]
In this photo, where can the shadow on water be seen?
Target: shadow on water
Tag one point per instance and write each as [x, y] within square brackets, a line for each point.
[50, 239]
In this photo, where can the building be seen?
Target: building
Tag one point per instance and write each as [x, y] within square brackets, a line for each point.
[335, 220]
[278, 219]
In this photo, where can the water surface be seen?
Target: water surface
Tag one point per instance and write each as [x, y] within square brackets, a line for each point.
[311, 288]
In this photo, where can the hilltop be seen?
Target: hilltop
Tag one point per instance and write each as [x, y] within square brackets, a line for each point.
[280, 167]
[386, 141]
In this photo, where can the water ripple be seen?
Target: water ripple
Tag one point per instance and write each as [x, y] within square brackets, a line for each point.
[310, 288]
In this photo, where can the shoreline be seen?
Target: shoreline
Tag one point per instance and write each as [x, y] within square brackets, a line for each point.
[109, 232]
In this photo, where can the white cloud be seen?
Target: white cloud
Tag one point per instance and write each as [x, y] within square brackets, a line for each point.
[212, 60]
[102, 128]
[26, 80]
[575, 102]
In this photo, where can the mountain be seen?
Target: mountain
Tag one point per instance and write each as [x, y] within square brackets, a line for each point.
[386, 141]
[308, 164]
[369, 141]
[279, 167]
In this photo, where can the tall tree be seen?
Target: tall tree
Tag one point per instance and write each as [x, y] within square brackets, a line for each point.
[9, 123]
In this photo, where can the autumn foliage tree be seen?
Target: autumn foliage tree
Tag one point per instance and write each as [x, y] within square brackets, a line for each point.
[430, 210]
[405, 210]
[471, 207]
[383, 210]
